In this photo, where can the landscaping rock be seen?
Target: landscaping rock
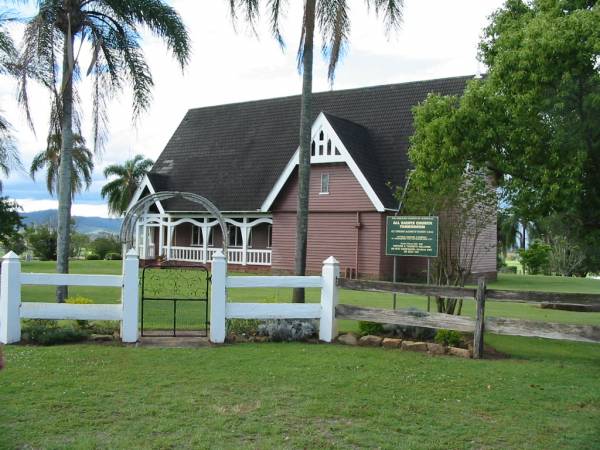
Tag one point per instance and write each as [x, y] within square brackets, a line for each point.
[436, 349]
[414, 346]
[370, 340]
[461, 352]
[392, 343]
[347, 339]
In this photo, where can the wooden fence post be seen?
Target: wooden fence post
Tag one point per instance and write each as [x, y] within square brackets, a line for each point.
[329, 299]
[130, 297]
[10, 299]
[218, 298]
[479, 319]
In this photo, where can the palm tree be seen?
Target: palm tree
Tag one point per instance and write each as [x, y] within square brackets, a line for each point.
[129, 175]
[9, 157]
[51, 46]
[332, 17]
[50, 160]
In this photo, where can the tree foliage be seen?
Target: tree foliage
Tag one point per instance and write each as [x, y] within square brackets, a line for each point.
[41, 240]
[129, 176]
[101, 246]
[50, 54]
[533, 122]
[9, 156]
[49, 159]
[10, 224]
[445, 184]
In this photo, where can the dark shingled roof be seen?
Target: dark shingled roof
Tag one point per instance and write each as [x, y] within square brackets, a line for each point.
[233, 154]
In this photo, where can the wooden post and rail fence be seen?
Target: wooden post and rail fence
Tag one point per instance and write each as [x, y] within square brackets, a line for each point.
[479, 325]
[327, 311]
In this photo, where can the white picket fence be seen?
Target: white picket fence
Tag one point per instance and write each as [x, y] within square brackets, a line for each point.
[221, 309]
[12, 309]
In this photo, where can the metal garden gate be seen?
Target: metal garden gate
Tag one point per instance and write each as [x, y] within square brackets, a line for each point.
[174, 299]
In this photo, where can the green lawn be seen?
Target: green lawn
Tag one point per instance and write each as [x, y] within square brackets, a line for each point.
[299, 396]
[547, 395]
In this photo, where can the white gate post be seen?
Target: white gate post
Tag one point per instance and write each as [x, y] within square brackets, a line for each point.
[130, 297]
[10, 299]
[329, 299]
[218, 298]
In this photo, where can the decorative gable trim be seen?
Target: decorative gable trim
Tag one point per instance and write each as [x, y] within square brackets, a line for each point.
[138, 194]
[338, 153]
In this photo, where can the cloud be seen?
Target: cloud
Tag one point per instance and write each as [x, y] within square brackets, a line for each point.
[79, 209]
[438, 39]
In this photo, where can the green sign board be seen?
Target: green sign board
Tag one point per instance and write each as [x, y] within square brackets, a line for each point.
[412, 236]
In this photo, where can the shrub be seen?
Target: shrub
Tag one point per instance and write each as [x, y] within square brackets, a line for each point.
[92, 256]
[42, 241]
[48, 332]
[370, 327]
[287, 330]
[415, 333]
[112, 256]
[80, 301]
[105, 245]
[104, 327]
[241, 327]
[536, 258]
[449, 338]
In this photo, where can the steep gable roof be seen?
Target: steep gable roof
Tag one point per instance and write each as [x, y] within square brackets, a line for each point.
[234, 154]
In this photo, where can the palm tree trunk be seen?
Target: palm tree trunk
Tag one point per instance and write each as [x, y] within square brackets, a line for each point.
[304, 157]
[65, 172]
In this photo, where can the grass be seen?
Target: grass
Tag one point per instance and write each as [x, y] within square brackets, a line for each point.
[299, 396]
[547, 395]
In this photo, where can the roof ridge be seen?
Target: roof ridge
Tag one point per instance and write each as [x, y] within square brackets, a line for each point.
[330, 92]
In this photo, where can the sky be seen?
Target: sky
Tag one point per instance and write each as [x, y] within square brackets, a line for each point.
[438, 39]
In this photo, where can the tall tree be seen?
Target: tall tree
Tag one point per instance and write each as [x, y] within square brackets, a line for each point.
[333, 20]
[49, 159]
[129, 176]
[52, 44]
[9, 157]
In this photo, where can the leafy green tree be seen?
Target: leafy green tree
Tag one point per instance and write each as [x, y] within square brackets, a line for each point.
[533, 122]
[333, 20]
[41, 240]
[49, 159]
[536, 258]
[10, 224]
[79, 242]
[104, 245]
[129, 175]
[443, 183]
[112, 29]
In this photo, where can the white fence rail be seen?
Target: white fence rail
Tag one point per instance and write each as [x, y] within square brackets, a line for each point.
[221, 309]
[256, 257]
[12, 310]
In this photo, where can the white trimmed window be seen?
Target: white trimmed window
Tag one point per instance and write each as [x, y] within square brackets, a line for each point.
[235, 236]
[197, 237]
[324, 183]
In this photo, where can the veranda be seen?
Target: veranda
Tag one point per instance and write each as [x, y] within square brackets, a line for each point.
[196, 238]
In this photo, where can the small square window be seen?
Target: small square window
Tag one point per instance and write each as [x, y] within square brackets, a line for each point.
[324, 183]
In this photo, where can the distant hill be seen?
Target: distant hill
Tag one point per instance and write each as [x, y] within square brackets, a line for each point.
[86, 225]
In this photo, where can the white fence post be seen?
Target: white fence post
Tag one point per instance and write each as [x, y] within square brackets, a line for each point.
[218, 298]
[130, 297]
[10, 299]
[329, 299]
